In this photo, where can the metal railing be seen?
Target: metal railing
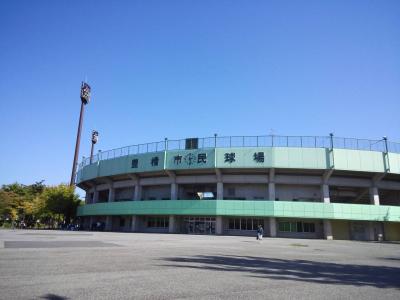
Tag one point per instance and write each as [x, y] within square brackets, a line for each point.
[250, 141]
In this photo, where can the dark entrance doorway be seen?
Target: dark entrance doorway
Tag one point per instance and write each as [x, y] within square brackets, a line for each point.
[199, 225]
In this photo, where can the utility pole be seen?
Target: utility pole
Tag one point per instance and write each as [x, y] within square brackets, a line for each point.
[85, 97]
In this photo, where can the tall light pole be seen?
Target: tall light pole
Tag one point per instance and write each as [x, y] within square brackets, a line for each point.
[85, 97]
[95, 138]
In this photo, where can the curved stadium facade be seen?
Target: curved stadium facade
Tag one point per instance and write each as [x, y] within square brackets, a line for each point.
[308, 187]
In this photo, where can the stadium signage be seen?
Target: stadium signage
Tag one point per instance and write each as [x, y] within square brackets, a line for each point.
[190, 159]
[200, 158]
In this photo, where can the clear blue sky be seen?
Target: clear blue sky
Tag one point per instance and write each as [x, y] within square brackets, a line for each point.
[190, 68]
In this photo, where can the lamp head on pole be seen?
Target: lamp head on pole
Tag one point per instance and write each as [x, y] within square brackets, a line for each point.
[85, 93]
[95, 136]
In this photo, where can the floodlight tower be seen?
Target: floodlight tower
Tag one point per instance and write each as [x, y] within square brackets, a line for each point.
[95, 138]
[85, 97]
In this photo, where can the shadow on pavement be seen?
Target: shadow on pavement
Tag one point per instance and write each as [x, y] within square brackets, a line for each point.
[53, 297]
[392, 258]
[298, 270]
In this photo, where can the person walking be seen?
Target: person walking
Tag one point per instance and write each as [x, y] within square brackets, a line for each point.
[260, 232]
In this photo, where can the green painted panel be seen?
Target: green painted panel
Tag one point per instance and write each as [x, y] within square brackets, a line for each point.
[301, 158]
[190, 159]
[123, 165]
[357, 160]
[277, 157]
[281, 158]
[284, 209]
[160, 207]
[394, 162]
[87, 172]
[112, 166]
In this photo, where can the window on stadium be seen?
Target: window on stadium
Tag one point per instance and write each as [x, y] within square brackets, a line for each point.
[245, 223]
[158, 222]
[296, 227]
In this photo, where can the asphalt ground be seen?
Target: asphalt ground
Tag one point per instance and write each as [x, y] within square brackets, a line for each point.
[92, 265]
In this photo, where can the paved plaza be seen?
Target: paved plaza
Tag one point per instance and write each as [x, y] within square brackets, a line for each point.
[94, 265]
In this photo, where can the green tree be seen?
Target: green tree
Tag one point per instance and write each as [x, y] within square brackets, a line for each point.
[36, 189]
[16, 188]
[19, 202]
[8, 206]
[61, 201]
[31, 204]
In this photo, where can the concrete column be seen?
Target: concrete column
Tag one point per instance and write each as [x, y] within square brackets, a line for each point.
[133, 194]
[95, 196]
[325, 198]
[374, 195]
[325, 193]
[138, 191]
[219, 225]
[271, 185]
[109, 220]
[134, 224]
[272, 227]
[220, 190]
[174, 191]
[271, 191]
[111, 193]
[172, 224]
[174, 185]
[328, 230]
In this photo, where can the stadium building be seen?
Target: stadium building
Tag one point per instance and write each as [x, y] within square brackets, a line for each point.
[301, 187]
